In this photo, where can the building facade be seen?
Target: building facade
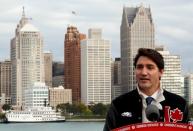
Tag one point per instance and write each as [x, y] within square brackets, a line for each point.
[58, 81]
[116, 83]
[58, 68]
[171, 78]
[4, 100]
[59, 95]
[182, 86]
[188, 88]
[5, 78]
[26, 60]
[36, 95]
[72, 62]
[48, 68]
[58, 74]
[95, 69]
[137, 31]
[5, 82]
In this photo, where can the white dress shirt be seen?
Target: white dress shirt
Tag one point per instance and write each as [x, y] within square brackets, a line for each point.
[158, 97]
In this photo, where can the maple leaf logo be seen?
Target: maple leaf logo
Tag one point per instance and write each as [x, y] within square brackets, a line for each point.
[176, 115]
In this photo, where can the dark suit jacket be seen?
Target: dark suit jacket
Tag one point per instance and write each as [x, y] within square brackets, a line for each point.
[132, 103]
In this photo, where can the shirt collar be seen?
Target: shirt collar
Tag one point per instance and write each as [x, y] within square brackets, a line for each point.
[158, 95]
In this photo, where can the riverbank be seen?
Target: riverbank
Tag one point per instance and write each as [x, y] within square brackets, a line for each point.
[85, 120]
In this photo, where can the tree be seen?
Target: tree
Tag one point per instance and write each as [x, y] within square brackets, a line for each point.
[2, 116]
[79, 109]
[99, 109]
[63, 108]
[6, 107]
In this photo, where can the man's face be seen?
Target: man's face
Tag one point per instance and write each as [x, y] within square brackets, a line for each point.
[147, 74]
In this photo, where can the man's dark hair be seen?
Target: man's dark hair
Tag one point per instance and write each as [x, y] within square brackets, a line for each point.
[151, 54]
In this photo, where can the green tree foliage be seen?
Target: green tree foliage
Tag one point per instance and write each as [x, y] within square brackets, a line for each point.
[99, 109]
[88, 112]
[79, 109]
[63, 108]
[2, 116]
[6, 107]
[75, 108]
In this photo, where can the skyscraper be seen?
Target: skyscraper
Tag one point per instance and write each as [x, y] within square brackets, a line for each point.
[188, 85]
[116, 82]
[171, 79]
[26, 60]
[48, 68]
[95, 69]
[5, 80]
[137, 31]
[72, 61]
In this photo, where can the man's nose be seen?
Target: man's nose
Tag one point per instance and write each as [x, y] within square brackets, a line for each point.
[144, 71]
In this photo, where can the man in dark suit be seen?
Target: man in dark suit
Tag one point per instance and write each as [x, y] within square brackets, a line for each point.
[131, 108]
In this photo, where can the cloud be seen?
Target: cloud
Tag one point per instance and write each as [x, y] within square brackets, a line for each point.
[173, 22]
[174, 32]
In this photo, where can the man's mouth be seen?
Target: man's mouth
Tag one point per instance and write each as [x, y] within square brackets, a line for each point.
[144, 79]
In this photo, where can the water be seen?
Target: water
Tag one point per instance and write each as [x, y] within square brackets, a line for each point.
[64, 126]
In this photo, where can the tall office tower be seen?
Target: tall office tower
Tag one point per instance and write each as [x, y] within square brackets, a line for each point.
[48, 68]
[26, 60]
[95, 69]
[5, 81]
[171, 79]
[116, 83]
[72, 61]
[188, 88]
[117, 71]
[137, 31]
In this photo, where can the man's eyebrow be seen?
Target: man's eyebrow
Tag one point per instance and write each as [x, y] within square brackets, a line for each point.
[150, 64]
[145, 65]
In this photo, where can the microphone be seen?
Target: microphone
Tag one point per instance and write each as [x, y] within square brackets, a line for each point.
[152, 113]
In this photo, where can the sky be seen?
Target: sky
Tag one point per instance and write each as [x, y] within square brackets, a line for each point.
[173, 22]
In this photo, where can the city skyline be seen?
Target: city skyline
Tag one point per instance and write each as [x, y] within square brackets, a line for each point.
[172, 19]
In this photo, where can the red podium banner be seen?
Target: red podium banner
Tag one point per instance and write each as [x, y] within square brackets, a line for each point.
[156, 126]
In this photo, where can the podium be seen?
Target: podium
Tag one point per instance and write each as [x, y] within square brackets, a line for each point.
[156, 126]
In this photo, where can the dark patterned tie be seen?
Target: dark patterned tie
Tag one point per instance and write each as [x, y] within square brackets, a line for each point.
[149, 99]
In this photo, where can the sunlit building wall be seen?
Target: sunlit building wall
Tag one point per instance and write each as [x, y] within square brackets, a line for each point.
[59, 95]
[26, 60]
[95, 69]
[171, 79]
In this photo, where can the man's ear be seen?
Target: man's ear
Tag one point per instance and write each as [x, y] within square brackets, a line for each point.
[161, 71]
